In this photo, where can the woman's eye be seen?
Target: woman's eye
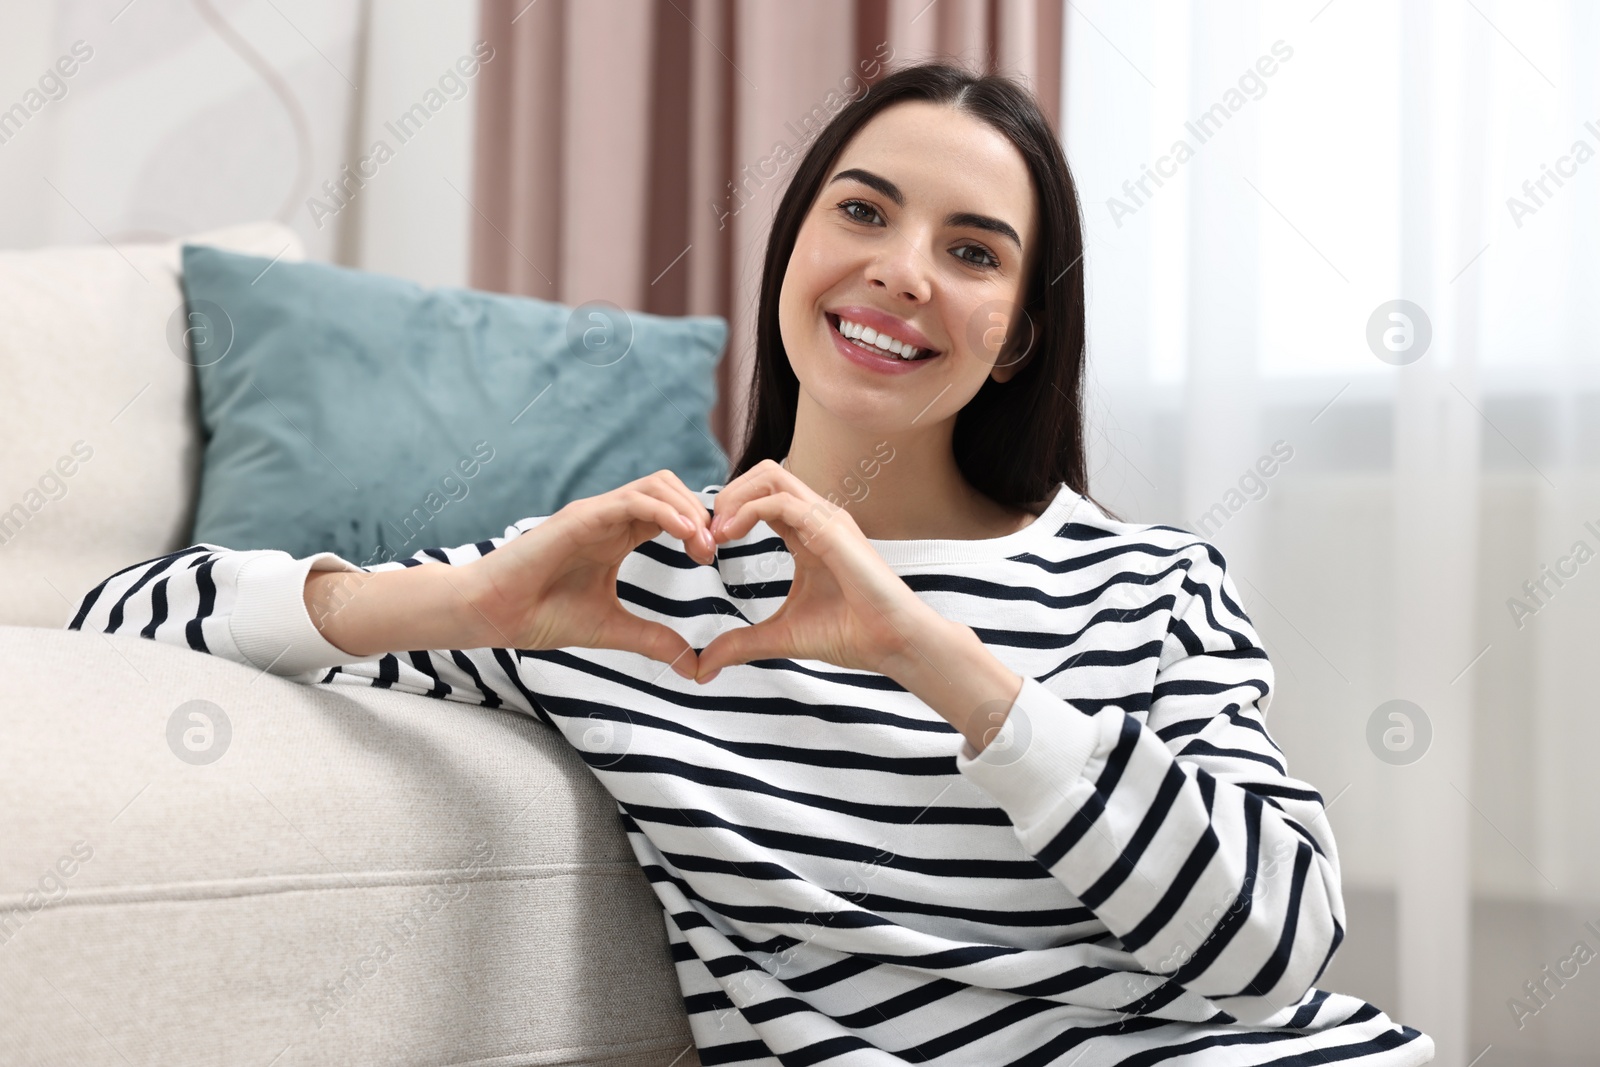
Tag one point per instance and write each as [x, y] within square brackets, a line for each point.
[988, 259]
[863, 212]
[848, 205]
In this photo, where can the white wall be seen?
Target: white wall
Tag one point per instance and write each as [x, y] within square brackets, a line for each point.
[195, 114]
[416, 212]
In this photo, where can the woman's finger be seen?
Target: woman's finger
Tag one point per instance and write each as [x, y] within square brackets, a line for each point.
[741, 645]
[744, 514]
[808, 518]
[757, 481]
[645, 499]
[627, 632]
[692, 507]
[621, 507]
[670, 490]
[664, 515]
[690, 498]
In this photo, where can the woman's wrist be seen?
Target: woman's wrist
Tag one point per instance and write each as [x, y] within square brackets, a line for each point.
[370, 613]
[949, 669]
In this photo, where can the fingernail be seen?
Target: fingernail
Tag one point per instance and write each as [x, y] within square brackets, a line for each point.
[710, 676]
[706, 539]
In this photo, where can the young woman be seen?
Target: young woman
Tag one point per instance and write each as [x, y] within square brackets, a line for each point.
[926, 756]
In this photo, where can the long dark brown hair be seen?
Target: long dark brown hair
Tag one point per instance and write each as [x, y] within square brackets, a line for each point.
[1017, 441]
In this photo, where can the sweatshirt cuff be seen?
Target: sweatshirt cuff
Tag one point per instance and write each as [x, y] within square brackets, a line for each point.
[1036, 757]
[270, 623]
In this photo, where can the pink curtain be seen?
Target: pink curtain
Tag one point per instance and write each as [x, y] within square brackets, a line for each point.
[626, 148]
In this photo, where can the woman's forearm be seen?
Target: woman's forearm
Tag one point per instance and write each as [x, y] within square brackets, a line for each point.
[431, 606]
[950, 670]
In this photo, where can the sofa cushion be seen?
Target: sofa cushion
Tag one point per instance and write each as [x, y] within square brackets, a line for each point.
[367, 875]
[102, 457]
[366, 415]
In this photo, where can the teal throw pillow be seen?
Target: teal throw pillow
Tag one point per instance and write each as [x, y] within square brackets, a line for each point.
[362, 414]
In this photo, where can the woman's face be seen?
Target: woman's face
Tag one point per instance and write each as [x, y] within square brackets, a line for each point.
[924, 228]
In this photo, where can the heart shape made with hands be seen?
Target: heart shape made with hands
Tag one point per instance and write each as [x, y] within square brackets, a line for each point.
[845, 605]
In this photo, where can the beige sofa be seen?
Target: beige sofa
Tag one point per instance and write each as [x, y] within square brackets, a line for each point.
[304, 874]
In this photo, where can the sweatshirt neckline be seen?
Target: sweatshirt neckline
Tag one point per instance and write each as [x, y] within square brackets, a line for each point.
[904, 553]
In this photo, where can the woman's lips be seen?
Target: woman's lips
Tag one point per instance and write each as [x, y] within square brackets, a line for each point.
[870, 358]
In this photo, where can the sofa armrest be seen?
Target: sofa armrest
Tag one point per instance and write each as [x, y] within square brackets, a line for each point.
[337, 873]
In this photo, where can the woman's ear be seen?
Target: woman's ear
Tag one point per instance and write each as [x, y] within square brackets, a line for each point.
[1013, 361]
[1004, 373]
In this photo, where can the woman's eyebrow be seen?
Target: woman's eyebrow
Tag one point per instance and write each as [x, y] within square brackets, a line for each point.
[959, 218]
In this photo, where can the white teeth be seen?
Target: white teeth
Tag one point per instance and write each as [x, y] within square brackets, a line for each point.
[883, 342]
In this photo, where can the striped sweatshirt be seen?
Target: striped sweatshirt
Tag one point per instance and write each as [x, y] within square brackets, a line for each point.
[1126, 874]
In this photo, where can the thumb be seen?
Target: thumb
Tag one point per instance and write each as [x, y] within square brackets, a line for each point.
[741, 645]
[627, 632]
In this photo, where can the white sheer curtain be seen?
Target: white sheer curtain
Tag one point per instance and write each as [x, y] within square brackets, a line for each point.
[1381, 506]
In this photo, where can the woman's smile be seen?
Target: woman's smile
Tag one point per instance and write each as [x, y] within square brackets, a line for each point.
[863, 353]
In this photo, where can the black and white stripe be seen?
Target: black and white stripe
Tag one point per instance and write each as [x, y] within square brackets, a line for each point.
[842, 884]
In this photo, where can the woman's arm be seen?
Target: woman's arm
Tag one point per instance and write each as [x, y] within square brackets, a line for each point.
[368, 612]
[549, 582]
[312, 617]
[1184, 832]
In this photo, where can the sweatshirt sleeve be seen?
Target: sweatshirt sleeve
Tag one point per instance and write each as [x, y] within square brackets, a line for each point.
[249, 606]
[1181, 830]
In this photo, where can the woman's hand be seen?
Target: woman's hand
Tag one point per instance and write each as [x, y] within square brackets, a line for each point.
[845, 605]
[556, 585]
